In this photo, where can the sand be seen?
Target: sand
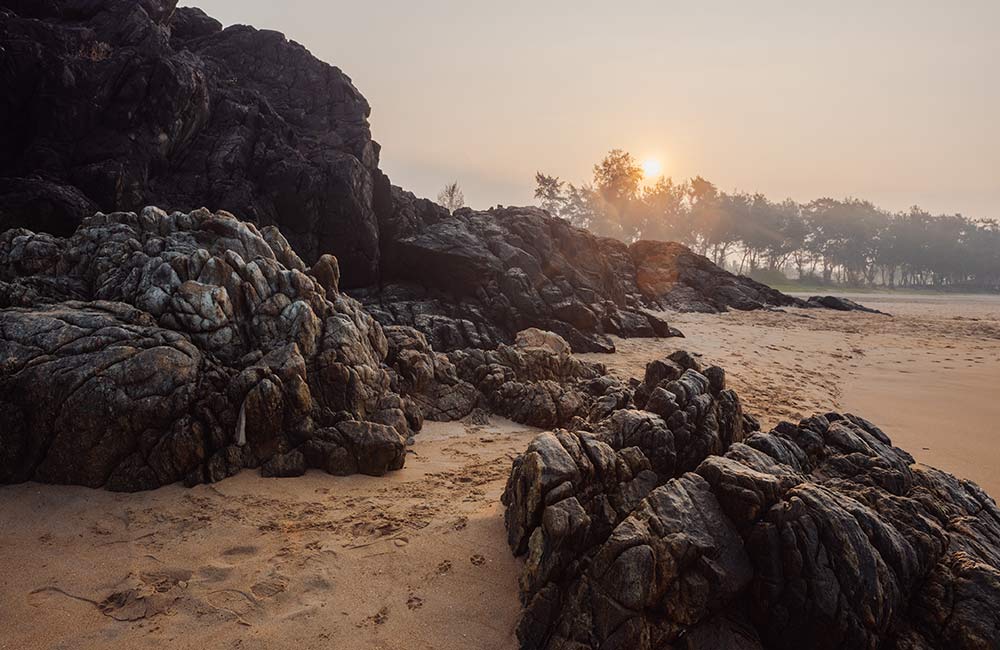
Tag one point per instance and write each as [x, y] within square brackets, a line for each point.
[928, 375]
[417, 559]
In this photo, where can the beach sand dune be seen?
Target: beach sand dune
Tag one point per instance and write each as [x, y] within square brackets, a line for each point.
[417, 559]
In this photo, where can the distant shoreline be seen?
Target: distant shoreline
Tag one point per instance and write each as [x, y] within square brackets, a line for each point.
[800, 290]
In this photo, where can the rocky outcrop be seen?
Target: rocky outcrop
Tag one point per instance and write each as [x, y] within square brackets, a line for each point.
[537, 382]
[429, 378]
[840, 304]
[672, 276]
[816, 535]
[115, 105]
[149, 348]
[477, 278]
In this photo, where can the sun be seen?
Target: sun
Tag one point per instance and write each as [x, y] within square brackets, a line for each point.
[651, 168]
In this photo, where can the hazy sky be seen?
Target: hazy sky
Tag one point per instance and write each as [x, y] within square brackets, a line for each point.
[898, 103]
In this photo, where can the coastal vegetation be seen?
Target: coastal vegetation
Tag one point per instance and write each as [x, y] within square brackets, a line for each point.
[849, 241]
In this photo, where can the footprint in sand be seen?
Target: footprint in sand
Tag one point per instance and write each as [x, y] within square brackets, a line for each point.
[378, 618]
[270, 586]
[233, 602]
[214, 573]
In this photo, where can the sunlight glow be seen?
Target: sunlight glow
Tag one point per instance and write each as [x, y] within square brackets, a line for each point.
[651, 168]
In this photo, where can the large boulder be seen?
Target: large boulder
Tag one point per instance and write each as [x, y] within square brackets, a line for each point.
[149, 348]
[116, 104]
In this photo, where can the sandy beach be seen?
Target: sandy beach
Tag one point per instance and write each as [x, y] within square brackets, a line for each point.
[418, 559]
[927, 375]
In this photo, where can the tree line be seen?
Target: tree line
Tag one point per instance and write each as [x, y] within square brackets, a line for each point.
[848, 241]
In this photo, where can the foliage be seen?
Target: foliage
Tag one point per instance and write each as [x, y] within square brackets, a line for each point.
[451, 197]
[850, 240]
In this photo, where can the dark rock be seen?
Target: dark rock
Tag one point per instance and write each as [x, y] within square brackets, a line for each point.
[201, 346]
[840, 304]
[284, 465]
[820, 535]
[673, 276]
[114, 105]
[427, 377]
[45, 205]
[475, 279]
[353, 447]
[535, 386]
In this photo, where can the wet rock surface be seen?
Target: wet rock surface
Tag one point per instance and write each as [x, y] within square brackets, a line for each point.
[672, 276]
[644, 531]
[149, 348]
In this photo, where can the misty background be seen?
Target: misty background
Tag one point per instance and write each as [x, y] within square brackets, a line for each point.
[894, 103]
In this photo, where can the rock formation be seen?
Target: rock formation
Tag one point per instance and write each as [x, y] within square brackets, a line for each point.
[536, 382]
[114, 105]
[477, 278]
[683, 528]
[672, 276]
[149, 348]
[117, 104]
[840, 304]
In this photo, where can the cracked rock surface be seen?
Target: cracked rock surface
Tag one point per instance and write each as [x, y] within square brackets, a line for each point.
[536, 381]
[646, 531]
[475, 279]
[149, 348]
[116, 104]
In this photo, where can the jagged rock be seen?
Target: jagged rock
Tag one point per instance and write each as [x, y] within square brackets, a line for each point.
[405, 217]
[571, 489]
[817, 535]
[537, 387]
[203, 346]
[352, 447]
[429, 378]
[531, 385]
[840, 304]
[673, 276]
[475, 279]
[286, 465]
[114, 105]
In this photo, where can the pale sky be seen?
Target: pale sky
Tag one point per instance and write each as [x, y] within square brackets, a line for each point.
[898, 103]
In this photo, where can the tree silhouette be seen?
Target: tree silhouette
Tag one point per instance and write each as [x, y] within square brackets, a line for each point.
[850, 241]
[451, 197]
